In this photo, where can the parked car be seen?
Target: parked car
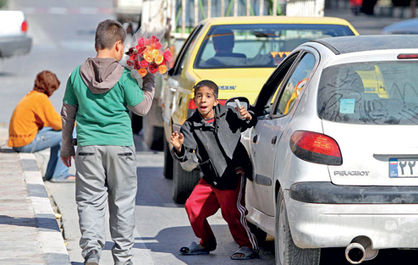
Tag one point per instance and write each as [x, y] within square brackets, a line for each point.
[409, 26]
[334, 149]
[255, 45]
[13, 34]
[128, 10]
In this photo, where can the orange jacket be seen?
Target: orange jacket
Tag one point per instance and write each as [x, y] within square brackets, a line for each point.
[32, 113]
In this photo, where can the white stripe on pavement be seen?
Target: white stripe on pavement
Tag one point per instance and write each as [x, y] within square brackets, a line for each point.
[67, 11]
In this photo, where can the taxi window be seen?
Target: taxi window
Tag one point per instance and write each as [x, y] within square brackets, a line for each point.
[258, 45]
[293, 88]
[185, 51]
[370, 93]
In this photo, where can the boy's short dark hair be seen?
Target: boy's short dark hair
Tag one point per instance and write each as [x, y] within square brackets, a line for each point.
[107, 33]
[212, 85]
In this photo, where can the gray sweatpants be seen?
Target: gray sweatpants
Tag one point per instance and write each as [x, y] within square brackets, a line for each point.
[106, 174]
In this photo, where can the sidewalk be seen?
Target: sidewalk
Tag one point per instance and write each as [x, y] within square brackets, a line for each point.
[29, 232]
[364, 24]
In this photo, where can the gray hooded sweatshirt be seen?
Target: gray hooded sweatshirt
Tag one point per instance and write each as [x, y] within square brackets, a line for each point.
[100, 75]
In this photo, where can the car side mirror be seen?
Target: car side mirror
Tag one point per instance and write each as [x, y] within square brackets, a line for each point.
[235, 102]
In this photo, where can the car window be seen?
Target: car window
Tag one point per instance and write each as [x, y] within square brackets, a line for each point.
[184, 52]
[269, 90]
[370, 93]
[258, 45]
[292, 90]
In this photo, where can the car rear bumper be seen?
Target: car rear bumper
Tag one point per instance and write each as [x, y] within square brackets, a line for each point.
[333, 217]
[326, 192]
[15, 45]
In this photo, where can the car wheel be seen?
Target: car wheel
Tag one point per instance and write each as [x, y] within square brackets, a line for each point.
[168, 161]
[259, 234]
[286, 252]
[153, 137]
[183, 182]
[136, 122]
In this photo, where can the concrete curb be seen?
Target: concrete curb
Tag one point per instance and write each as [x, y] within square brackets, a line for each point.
[50, 237]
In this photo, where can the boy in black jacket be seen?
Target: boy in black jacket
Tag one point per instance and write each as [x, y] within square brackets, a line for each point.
[212, 134]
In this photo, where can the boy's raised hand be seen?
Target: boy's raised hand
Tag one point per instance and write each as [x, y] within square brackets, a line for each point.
[177, 140]
[244, 113]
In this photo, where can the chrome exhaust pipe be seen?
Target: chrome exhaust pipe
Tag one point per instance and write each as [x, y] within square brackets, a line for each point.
[359, 250]
[355, 253]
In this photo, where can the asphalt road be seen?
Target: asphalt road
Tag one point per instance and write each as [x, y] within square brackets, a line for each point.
[162, 227]
[63, 36]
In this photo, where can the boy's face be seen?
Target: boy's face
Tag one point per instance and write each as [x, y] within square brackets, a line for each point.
[205, 101]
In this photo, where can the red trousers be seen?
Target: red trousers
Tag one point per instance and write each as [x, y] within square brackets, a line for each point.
[205, 201]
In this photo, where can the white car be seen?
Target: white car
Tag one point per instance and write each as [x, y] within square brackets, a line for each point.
[335, 151]
[13, 34]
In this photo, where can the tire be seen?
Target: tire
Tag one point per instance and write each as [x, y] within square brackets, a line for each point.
[136, 123]
[183, 182]
[152, 127]
[168, 161]
[157, 138]
[153, 137]
[401, 3]
[286, 252]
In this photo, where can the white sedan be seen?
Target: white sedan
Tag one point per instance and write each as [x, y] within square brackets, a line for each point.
[13, 34]
[334, 151]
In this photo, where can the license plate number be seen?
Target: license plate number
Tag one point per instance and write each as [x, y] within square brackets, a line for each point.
[403, 168]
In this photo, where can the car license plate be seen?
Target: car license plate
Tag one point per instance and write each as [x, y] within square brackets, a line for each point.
[403, 168]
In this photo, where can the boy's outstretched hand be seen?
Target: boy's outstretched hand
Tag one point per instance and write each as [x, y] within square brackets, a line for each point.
[177, 140]
[244, 113]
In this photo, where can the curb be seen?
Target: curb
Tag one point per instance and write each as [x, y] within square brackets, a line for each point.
[50, 237]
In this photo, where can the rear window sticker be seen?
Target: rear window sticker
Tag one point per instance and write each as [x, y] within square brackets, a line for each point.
[347, 105]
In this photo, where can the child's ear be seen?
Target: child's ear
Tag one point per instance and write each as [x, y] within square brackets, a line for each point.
[216, 102]
[117, 45]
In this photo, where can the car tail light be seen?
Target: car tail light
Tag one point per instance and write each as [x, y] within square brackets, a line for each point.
[24, 26]
[408, 56]
[315, 147]
[191, 106]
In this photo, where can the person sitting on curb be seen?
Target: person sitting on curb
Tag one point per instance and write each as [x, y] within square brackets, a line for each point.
[35, 125]
[212, 135]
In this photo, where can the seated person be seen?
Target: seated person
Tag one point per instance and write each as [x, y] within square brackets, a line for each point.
[223, 43]
[35, 126]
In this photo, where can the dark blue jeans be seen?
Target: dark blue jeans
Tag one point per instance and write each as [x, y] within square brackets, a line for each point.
[48, 138]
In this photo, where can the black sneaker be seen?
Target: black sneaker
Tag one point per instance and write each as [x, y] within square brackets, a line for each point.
[92, 258]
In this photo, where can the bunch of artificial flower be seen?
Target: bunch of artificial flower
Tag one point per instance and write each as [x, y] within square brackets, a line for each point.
[149, 56]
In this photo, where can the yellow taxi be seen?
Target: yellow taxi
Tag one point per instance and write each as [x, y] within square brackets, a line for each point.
[238, 54]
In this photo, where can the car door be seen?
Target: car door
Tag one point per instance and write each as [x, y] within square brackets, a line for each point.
[286, 87]
[172, 81]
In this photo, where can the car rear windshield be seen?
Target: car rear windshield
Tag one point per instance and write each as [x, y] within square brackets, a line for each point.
[258, 45]
[370, 93]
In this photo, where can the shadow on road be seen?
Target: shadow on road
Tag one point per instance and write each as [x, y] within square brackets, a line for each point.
[170, 240]
[153, 189]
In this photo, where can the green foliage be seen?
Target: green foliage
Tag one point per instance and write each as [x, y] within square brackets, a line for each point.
[279, 11]
[3, 3]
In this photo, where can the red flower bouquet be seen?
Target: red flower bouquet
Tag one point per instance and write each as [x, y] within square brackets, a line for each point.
[148, 56]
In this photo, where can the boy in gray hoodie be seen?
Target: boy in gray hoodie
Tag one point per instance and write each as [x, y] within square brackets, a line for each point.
[98, 95]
